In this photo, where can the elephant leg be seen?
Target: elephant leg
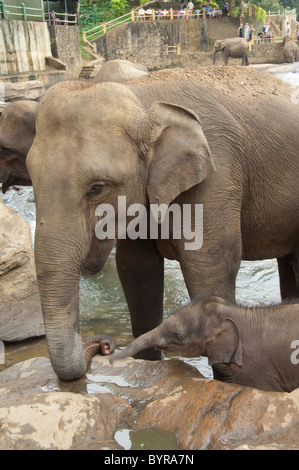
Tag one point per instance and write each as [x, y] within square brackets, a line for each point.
[288, 267]
[225, 56]
[141, 272]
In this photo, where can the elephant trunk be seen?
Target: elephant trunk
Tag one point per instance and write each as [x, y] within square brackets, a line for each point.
[151, 339]
[214, 57]
[58, 267]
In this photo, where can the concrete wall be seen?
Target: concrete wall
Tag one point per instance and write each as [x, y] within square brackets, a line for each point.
[24, 46]
[146, 42]
[65, 46]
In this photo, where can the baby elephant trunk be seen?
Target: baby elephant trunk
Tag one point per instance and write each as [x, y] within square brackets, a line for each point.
[151, 339]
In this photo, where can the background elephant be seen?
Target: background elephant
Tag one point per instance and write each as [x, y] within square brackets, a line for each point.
[161, 141]
[120, 71]
[257, 347]
[232, 47]
[290, 50]
[17, 132]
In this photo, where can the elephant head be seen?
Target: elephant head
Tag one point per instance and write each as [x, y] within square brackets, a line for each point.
[97, 144]
[17, 132]
[199, 329]
[218, 46]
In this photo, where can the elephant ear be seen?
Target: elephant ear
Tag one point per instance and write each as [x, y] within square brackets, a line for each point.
[225, 346]
[179, 155]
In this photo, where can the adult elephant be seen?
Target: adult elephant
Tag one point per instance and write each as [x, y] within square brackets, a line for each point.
[290, 50]
[120, 71]
[232, 47]
[17, 132]
[176, 141]
[17, 124]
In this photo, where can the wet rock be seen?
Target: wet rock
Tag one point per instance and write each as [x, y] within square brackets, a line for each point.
[20, 309]
[38, 411]
[120, 71]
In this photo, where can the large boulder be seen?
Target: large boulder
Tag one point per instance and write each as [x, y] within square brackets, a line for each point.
[140, 398]
[20, 309]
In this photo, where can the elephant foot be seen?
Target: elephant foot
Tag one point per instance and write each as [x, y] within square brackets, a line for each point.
[99, 344]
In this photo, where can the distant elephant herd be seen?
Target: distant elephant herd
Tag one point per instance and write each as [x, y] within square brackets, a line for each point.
[166, 143]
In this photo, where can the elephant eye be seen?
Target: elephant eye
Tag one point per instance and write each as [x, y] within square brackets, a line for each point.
[97, 188]
[177, 337]
[5, 152]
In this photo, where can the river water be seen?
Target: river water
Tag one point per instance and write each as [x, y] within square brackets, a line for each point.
[102, 302]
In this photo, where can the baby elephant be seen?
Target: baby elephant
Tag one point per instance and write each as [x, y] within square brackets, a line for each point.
[257, 347]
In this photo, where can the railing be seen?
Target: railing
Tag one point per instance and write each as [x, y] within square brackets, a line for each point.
[61, 18]
[20, 12]
[271, 39]
[281, 13]
[138, 14]
[173, 49]
[91, 34]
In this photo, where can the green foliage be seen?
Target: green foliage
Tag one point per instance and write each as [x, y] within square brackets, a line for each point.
[119, 7]
[92, 14]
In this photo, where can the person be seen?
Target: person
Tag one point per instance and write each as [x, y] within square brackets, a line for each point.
[287, 29]
[141, 13]
[251, 31]
[269, 34]
[190, 7]
[247, 32]
[265, 29]
[240, 30]
[226, 8]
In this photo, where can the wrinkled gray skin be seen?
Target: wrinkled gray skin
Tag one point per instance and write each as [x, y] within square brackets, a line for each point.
[232, 47]
[120, 71]
[17, 132]
[109, 140]
[290, 50]
[253, 345]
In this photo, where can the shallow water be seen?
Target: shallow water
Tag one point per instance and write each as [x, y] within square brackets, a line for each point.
[102, 302]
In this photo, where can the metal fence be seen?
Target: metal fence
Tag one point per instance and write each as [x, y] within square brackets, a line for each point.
[21, 12]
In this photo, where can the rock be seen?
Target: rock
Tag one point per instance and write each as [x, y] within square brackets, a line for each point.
[20, 309]
[39, 411]
[31, 90]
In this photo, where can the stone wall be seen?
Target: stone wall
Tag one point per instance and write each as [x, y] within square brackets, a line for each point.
[24, 46]
[146, 42]
[65, 46]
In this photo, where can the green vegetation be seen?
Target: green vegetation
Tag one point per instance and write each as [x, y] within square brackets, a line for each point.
[92, 13]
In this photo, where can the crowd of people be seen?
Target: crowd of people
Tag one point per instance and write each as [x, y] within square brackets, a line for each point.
[264, 35]
[163, 14]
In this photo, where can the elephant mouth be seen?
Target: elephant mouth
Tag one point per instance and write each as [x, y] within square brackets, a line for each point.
[19, 179]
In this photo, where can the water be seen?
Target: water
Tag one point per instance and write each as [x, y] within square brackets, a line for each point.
[102, 303]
